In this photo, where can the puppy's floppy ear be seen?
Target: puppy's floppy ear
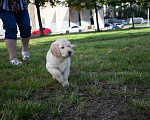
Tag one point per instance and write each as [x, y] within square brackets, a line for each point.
[55, 50]
[72, 46]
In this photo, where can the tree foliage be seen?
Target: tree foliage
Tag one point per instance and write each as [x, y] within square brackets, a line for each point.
[88, 4]
[130, 4]
[144, 3]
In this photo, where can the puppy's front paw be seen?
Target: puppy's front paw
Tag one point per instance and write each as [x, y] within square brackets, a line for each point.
[65, 84]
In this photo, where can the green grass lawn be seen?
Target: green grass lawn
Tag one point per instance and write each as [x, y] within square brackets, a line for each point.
[109, 78]
[137, 25]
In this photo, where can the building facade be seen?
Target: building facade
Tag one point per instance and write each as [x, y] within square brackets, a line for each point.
[61, 17]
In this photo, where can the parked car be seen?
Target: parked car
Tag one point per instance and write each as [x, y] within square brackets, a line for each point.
[124, 22]
[120, 21]
[111, 27]
[136, 20]
[144, 21]
[119, 25]
[115, 20]
[72, 29]
[46, 31]
[107, 24]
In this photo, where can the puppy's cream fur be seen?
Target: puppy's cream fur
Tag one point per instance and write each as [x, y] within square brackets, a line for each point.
[58, 60]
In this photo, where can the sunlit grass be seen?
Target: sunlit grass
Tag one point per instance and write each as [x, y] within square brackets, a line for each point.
[138, 24]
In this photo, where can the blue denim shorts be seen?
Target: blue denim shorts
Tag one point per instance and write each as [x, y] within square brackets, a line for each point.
[10, 19]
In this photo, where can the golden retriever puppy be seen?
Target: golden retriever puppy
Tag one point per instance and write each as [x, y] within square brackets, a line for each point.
[58, 60]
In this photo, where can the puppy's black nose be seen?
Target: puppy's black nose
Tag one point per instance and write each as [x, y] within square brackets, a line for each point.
[69, 52]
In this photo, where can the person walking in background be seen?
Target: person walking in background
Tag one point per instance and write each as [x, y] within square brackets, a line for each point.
[14, 12]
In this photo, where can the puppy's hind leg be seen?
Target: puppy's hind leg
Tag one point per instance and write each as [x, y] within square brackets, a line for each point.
[57, 75]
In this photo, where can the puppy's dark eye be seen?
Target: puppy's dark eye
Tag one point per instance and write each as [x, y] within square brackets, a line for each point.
[62, 47]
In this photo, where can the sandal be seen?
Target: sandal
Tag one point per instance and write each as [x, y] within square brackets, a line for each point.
[25, 55]
[15, 61]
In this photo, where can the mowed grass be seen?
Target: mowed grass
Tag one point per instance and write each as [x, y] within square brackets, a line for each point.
[120, 58]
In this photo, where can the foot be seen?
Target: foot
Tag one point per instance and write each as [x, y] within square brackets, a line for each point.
[65, 84]
[25, 55]
[15, 61]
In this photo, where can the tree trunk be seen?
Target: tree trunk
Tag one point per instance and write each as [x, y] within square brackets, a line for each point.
[39, 17]
[97, 18]
[132, 14]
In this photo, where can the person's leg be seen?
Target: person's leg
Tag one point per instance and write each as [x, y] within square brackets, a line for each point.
[11, 46]
[23, 21]
[24, 52]
[25, 42]
[9, 24]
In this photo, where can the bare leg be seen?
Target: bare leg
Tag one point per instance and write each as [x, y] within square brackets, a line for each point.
[11, 46]
[25, 42]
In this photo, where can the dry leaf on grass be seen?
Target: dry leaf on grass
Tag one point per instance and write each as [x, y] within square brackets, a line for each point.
[37, 97]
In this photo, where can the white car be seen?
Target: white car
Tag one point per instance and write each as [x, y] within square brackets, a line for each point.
[72, 29]
[144, 21]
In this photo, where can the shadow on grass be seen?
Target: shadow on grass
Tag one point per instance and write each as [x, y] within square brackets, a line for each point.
[2, 40]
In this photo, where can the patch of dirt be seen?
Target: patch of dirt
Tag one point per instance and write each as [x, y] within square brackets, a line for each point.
[100, 101]
[112, 103]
